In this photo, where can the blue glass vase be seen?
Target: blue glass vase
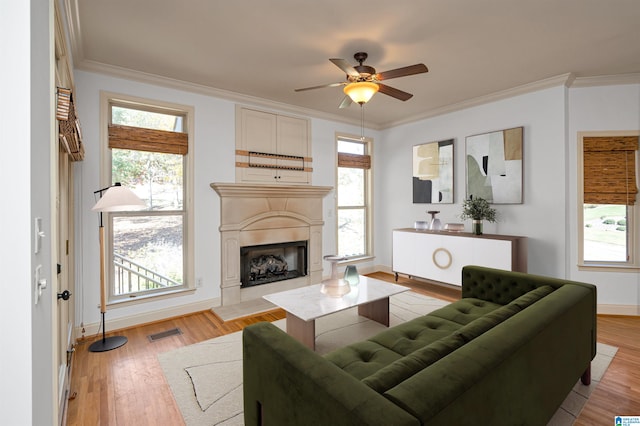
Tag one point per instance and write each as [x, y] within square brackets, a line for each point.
[351, 275]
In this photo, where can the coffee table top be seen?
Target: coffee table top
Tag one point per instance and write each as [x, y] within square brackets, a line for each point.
[309, 303]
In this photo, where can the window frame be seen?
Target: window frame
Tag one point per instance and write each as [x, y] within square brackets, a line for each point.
[368, 197]
[108, 99]
[633, 214]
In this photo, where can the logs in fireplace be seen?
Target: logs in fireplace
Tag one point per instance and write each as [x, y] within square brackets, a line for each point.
[268, 263]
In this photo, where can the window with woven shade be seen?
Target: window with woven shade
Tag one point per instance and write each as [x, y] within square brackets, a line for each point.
[147, 145]
[149, 131]
[356, 161]
[353, 194]
[609, 165]
[609, 193]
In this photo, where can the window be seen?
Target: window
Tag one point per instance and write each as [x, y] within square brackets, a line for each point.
[608, 215]
[148, 150]
[353, 193]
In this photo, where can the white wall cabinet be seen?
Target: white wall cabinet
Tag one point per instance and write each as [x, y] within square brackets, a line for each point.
[440, 256]
[272, 148]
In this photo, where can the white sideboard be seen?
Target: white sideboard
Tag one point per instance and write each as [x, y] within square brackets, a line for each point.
[440, 255]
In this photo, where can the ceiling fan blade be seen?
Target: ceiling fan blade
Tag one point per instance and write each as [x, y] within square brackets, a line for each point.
[401, 72]
[393, 92]
[346, 102]
[320, 87]
[345, 66]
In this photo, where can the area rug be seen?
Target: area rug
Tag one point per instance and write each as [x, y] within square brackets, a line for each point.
[206, 378]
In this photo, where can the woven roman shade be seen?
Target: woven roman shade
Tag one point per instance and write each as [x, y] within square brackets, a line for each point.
[354, 161]
[141, 139]
[609, 169]
[69, 133]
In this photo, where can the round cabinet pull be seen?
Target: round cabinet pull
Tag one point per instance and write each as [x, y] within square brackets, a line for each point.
[435, 259]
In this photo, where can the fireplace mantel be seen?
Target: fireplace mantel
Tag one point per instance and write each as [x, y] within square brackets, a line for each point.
[240, 190]
[254, 214]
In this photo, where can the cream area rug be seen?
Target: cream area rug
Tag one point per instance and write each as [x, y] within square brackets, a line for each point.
[206, 378]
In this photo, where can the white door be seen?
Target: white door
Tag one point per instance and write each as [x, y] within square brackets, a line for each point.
[64, 307]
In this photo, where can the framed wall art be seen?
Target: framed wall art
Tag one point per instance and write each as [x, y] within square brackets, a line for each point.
[494, 166]
[433, 172]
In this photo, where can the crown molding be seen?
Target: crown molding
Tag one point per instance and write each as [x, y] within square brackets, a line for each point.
[143, 77]
[559, 80]
[568, 80]
[73, 31]
[607, 80]
[148, 78]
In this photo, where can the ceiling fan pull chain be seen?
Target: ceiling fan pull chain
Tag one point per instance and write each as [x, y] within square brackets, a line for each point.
[361, 122]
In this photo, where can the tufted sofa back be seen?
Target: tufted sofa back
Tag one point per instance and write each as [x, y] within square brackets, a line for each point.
[499, 286]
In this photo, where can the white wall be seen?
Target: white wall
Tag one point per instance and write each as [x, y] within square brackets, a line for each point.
[604, 108]
[541, 217]
[15, 223]
[214, 147]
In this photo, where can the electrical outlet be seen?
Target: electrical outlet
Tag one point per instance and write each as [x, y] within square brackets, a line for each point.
[199, 282]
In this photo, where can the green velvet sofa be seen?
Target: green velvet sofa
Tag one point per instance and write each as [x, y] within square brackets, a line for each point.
[507, 353]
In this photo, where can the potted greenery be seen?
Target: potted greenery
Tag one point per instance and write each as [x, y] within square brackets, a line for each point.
[478, 209]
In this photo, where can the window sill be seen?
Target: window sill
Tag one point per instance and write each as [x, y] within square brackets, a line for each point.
[136, 300]
[607, 267]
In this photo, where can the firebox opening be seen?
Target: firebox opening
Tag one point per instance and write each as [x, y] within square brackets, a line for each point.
[269, 263]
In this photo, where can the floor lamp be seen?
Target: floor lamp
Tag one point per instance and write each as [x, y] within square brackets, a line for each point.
[114, 198]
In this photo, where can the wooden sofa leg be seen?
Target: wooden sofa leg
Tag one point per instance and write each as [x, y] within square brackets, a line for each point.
[586, 376]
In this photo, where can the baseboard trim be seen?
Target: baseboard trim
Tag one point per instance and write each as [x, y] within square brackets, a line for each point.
[625, 310]
[147, 317]
[382, 268]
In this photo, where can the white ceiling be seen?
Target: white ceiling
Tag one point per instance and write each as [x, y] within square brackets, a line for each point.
[265, 49]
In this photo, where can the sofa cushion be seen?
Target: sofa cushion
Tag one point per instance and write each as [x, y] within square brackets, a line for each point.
[405, 367]
[465, 310]
[489, 320]
[363, 358]
[417, 333]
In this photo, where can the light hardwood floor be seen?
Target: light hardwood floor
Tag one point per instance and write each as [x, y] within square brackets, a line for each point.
[126, 386]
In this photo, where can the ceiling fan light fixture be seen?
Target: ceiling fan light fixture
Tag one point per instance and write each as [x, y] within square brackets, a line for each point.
[361, 91]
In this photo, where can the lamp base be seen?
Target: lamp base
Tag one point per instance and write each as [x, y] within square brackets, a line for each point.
[107, 344]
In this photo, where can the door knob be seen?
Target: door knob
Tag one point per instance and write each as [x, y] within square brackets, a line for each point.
[65, 295]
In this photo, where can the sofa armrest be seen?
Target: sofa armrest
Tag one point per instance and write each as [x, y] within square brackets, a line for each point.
[285, 383]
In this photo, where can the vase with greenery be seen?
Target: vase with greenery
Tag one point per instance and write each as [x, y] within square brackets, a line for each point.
[478, 209]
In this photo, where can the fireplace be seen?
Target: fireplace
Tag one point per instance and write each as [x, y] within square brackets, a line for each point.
[268, 263]
[258, 215]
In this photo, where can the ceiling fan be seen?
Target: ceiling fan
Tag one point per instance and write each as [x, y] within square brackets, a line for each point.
[363, 81]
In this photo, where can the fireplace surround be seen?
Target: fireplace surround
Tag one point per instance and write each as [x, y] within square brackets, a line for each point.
[254, 215]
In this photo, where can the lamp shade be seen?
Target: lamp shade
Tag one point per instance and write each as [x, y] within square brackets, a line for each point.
[117, 199]
[361, 92]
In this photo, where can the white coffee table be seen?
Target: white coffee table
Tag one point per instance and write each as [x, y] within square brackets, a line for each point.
[306, 304]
